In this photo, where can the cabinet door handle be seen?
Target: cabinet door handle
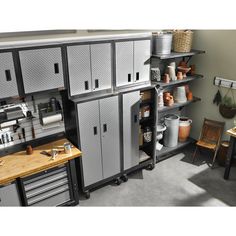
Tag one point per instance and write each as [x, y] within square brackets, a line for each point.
[8, 75]
[56, 68]
[95, 131]
[129, 77]
[86, 85]
[96, 83]
[137, 76]
[135, 118]
[104, 128]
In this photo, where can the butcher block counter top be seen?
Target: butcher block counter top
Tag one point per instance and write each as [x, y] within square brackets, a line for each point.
[20, 164]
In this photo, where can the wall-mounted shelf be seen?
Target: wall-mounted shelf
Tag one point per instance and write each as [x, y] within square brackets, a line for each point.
[166, 152]
[178, 54]
[179, 82]
[177, 105]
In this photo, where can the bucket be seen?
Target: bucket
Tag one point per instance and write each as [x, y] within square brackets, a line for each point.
[172, 129]
[184, 128]
[161, 43]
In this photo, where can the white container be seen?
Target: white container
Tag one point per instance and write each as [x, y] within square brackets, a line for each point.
[180, 95]
[171, 70]
[162, 43]
[172, 130]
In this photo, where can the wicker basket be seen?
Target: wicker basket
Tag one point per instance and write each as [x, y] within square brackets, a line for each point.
[182, 40]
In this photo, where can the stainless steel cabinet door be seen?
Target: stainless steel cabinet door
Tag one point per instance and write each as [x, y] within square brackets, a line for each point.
[124, 63]
[79, 69]
[110, 136]
[8, 84]
[41, 69]
[131, 129]
[89, 127]
[9, 195]
[101, 66]
[142, 54]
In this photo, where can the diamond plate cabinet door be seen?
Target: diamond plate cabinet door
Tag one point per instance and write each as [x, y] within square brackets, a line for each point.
[90, 140]
[9, 195]
[142, 54]
[101, 60]
[131, 104]
[79, 67]
[8, 84]
[41, 69]
[124, 63]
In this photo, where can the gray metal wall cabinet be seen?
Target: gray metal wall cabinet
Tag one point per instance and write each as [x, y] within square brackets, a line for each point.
[99, 138]
[41, 69]
[131, 104]
[90, 68]
[132, 62]
[8, 84]
[9, 195]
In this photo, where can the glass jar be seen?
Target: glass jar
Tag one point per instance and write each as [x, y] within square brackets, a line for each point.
[147, 135]
[146, 111]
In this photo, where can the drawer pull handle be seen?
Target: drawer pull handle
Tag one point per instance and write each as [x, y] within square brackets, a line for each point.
[95, 130]
[104, 128]
[56, 68]
[129, 77]
[135, 118]
[137, 76]
[8, 75]
[96, 83]
[86, 85]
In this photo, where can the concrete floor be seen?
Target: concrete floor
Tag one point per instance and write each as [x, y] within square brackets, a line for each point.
[173, 182]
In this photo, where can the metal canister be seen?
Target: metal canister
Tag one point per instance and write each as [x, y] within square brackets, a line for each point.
[162, 42]
[67, 148]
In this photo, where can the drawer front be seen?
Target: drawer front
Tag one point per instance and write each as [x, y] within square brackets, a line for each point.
[8, 82]
[9, 195]
[41, 69]
[54, 197]
[50, 188]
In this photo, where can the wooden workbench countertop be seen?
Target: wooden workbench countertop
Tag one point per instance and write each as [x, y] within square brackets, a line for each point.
[20, 164]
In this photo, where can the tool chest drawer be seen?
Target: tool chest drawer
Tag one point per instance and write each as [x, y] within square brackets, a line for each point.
[48, 188]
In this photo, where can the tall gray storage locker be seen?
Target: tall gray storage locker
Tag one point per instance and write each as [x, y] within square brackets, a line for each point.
[99, 139]
[41, 69]
[131, 104]
[8, 84]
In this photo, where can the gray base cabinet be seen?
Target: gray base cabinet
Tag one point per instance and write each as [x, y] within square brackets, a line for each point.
[9, 195]
[41, 69]
[99, 139]
[8, 84]
[131, 104]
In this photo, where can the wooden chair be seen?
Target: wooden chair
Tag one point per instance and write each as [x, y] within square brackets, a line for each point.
[210, 137]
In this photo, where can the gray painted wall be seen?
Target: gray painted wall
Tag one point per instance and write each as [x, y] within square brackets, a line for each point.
[219, 60]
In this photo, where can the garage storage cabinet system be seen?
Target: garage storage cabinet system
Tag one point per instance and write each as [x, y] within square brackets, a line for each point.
[101, 80]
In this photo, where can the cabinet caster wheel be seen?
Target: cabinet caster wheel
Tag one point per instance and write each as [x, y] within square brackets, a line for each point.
[150, 166]
[118, 181]
[124, 178]
[87, 194]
